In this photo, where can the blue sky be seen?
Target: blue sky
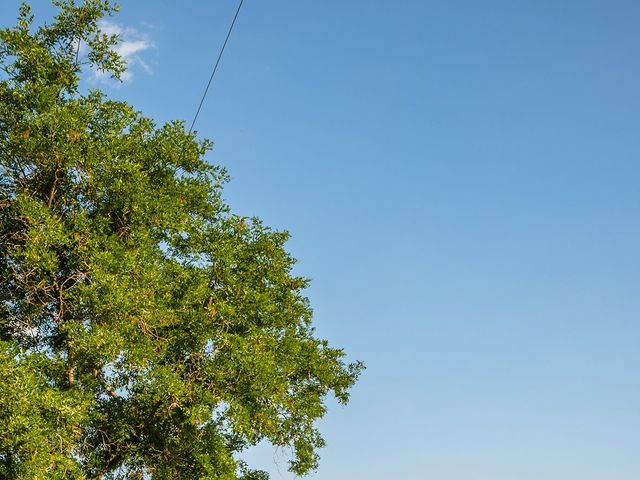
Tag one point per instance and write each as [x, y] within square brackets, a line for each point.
[461, 182]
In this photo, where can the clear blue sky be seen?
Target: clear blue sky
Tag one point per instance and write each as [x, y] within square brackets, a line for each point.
[461, 182]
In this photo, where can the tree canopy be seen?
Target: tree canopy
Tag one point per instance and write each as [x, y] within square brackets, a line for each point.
[145, 330]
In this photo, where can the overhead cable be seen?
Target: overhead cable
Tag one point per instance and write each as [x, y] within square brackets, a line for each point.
[215, 67]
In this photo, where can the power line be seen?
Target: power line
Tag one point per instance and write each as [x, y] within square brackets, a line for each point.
[215, 67]
[78, 51]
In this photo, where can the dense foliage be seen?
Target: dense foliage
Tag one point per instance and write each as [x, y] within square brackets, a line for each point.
[145, 330]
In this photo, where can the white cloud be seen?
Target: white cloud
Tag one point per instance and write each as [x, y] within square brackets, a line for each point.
[130, 48]
[111, 28]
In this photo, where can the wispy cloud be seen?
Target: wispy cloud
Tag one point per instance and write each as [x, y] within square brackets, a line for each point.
[133, 43]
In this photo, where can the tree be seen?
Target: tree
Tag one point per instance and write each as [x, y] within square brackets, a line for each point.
[145, 330]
